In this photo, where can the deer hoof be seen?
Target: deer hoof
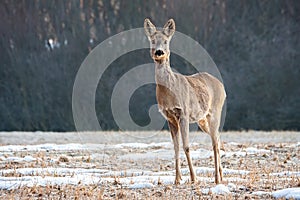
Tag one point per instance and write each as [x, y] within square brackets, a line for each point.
[194, 181]
[177, 180]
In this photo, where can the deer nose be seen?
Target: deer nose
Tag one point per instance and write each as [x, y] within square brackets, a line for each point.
[159, 53]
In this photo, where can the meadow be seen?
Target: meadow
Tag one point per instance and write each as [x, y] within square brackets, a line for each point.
[140, 165]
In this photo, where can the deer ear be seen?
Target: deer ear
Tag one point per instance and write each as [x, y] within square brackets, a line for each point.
[169, 28]
[149, 27]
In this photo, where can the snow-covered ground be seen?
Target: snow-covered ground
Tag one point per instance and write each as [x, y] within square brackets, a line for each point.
[259, 168]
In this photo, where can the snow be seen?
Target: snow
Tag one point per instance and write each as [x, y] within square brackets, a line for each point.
[62, 176]
[286, 173]
[132, 178]
[18, 159]
[142, 145]
[42, 147]
[231, 186]
[10, 183]
[207, 170]
[201, 154]
[218, 189]
[141, 185]
[152, 155]
[289, 193]
[245, 152]
[260, 193]
[77, 146]
[253, 150]
[165, 152]
[52, 171]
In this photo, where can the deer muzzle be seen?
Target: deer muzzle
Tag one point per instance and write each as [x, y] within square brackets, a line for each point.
[159, 53]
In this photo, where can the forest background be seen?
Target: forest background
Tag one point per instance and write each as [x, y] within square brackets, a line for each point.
[255, 45]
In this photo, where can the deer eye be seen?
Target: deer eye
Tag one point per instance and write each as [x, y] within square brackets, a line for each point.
[153, 41]
[166, 42]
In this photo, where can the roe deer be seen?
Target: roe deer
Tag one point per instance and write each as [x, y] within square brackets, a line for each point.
[185, 99]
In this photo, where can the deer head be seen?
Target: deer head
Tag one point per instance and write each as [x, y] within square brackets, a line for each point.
[159, 39]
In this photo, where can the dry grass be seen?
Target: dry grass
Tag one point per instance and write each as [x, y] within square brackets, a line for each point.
[282, 157]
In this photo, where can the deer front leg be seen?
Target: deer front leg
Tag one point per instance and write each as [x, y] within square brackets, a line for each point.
[175, 137]
[184, 129]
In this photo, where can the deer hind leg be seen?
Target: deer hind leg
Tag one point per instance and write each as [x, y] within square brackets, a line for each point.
[210, 125]
[217, 159]
[184, 129]
[174, 128]
[214, 123]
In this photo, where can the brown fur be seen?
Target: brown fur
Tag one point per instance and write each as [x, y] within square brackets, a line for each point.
[185, 99]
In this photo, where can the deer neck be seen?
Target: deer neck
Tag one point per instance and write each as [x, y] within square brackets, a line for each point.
[163, 73]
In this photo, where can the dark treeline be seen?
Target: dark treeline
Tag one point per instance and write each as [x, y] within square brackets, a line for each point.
[255, 45]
